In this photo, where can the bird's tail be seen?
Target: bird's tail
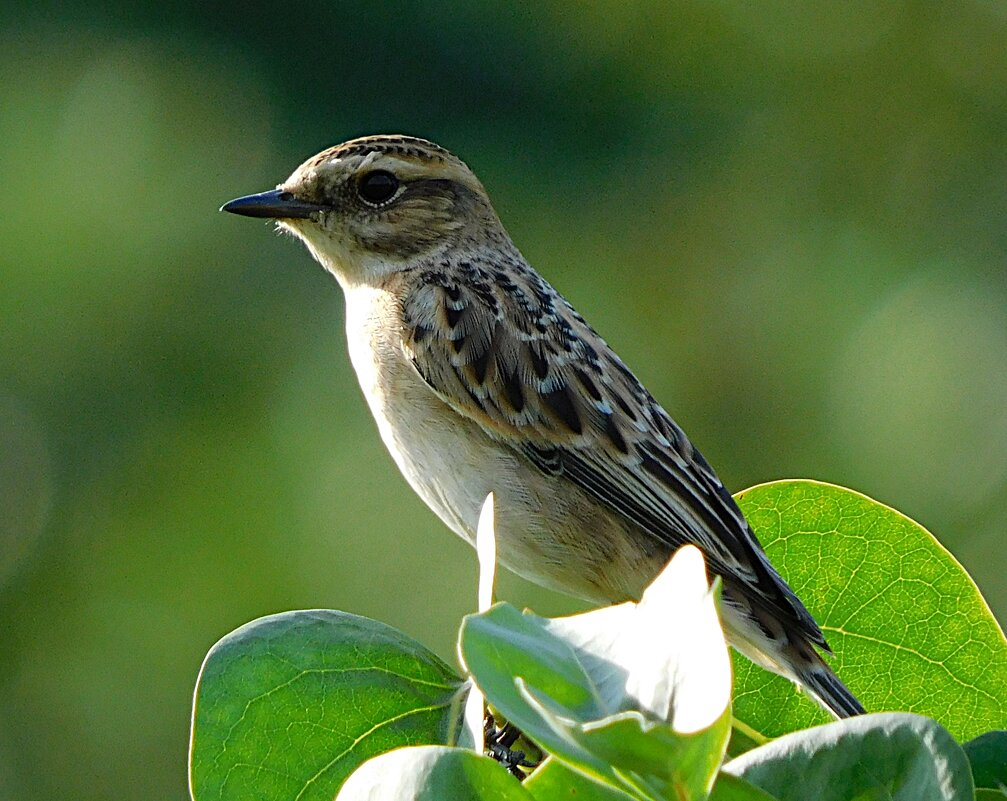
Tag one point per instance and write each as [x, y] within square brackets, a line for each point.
[825, 687]
[799, 661]
[788, 652]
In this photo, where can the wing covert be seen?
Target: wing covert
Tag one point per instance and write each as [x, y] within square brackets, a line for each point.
[507, 351]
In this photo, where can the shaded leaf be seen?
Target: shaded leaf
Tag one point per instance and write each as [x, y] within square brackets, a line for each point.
[743, 739]
[288, 705]
[432, 773]
[987, 755]
[891, 755]
[648, 759]
[733, 788]
[553, 781]
[909, 628]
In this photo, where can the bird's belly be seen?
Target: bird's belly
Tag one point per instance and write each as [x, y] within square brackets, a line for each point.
[453, 465]
[547, 530]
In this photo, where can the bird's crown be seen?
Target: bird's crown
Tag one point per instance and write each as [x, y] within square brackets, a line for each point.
[407, 159]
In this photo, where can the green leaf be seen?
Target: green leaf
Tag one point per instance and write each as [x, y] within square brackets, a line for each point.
[553, 781]
[287, 706]
[733, 788]
[742, 738]
[987, 755]
[432, 773]
[641, 712]
[984, 794]
[891, 755]
[909, 628]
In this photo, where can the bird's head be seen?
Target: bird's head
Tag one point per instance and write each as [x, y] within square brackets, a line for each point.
[372, 206]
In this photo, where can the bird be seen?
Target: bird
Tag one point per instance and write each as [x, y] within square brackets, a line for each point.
[482, 378]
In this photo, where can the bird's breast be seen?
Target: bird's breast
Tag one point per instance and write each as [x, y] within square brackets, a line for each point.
[443, 456]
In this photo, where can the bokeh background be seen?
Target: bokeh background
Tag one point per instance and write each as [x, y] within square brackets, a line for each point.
[788, 218]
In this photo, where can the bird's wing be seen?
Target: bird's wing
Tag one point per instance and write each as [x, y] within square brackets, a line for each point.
[504, 349]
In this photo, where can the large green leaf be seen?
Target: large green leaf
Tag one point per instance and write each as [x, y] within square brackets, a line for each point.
[910, 630]
[644, 713]
[288, 705]
[892, 756]
[432, 773]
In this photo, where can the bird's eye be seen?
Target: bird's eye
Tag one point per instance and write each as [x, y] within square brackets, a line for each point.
[378, 187]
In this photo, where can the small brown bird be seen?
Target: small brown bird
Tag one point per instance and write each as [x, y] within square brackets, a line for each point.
[482, 378]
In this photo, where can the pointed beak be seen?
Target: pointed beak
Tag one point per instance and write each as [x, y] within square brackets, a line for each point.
[275, 205]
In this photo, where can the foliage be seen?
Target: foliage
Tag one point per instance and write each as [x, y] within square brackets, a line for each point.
[910, 756]
[987, 754]
[288, 705]
[909, 627]
[633, 701]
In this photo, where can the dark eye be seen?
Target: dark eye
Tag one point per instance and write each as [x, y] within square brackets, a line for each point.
[378, 187]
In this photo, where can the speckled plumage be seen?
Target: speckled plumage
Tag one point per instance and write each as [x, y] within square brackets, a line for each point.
[482, 377]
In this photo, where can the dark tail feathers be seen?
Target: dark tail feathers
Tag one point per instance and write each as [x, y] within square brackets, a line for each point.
[829, 691]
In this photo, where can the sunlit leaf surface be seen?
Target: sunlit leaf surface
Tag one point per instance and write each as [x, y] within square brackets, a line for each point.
[909, 628]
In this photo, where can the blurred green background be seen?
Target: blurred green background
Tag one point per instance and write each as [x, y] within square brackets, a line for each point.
[788, 218]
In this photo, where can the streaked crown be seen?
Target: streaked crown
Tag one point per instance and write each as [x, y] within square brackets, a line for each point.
[407, 157]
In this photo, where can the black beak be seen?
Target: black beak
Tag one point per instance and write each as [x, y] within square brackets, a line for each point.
[275, 205]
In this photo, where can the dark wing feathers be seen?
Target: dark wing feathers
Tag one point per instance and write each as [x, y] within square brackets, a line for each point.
[545, 384]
